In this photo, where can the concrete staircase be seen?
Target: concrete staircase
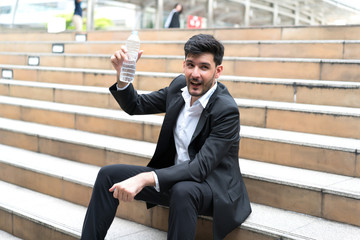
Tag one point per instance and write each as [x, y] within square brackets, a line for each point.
[298, 91]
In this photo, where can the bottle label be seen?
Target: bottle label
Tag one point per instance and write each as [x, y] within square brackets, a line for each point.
[127, 73]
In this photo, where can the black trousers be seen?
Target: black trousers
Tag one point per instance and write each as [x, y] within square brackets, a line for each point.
[186, 200]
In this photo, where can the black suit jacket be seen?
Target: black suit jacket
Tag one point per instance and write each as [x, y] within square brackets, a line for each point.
[213, 149]
[175, 20]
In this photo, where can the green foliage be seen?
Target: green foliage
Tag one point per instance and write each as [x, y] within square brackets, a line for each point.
[102, 23]
[149, 24]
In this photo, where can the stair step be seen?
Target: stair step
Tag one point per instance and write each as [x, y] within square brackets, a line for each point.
[6, 236]
[311, 151]
[246, 33]
[97, 149]
[308, 118]
[326, 120]
[45, 217]
[98, 120]
[333, 49]
[300, 68]
[319, 92]
[61, 93]
[36, 36]
[298, 226]
[54, 217]
[295, 189]
[303, 178]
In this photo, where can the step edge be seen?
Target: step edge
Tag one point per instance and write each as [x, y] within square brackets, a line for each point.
[335, 111]
[275, 135]
[294, 182]
[227, 78]
[247, 225]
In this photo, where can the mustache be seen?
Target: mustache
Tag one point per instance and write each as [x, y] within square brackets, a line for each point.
[195, 80]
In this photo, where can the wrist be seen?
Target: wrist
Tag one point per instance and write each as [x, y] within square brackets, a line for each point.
[120, 84]
[147, 179]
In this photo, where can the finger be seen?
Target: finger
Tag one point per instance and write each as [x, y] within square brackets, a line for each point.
[129, 198]
[140, 54]
[112, 188]
[115, 193]
[124, 56]
[124, 48]
[120, 195]
[116, 58]
[123, 52]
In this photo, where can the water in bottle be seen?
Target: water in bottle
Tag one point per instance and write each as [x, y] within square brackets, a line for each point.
[128, 68]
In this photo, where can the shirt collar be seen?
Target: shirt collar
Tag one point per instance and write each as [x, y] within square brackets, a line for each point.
[203, 99]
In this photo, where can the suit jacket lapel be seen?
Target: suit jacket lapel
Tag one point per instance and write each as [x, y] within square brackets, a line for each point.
[172, 112]
[204, 115]
[164, 155]
[200, 125]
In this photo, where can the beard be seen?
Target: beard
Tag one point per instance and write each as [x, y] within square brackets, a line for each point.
[194, 84]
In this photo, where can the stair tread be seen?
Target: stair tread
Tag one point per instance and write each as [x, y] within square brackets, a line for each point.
[290, 137]
[85, 174]
[63, 215]
[77, 109]
[226, 58]
[299, 138]
[81, 173]
[7, 236]
[68, 217]
[55, 85]
[260, 59]
[241, 102]
[303, 178]
[298, 226]
[75, 136]
[184, 41]
[231, 78]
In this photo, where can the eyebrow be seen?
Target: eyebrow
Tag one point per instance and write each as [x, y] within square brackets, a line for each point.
[202, 63]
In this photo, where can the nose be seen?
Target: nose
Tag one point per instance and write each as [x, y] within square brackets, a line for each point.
[196, 72]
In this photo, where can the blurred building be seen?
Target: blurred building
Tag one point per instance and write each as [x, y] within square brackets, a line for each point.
[234, 13]
[126, 14]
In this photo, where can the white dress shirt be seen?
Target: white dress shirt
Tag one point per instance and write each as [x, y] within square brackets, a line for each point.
[186, 123]
[185, 126]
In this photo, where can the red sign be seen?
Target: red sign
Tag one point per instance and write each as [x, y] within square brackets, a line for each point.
[194, 22]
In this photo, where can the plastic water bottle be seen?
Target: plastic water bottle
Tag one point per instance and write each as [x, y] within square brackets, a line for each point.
[128, 68]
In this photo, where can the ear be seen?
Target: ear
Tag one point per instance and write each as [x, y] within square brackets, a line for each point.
[184, 66]
[219, 70]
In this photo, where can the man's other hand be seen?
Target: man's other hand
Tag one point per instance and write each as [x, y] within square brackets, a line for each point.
[129, 188]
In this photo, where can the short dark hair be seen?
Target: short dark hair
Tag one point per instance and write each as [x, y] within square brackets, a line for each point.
[205, 43]
[178, 4]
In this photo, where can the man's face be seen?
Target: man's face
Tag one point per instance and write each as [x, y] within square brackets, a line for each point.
[200, 73]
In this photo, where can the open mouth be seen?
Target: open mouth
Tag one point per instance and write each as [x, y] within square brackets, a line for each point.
[195, 83]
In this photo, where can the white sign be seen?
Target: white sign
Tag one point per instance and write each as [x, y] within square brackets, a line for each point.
[33, 61]
[58, 48]
[7, 73]
[80, 37]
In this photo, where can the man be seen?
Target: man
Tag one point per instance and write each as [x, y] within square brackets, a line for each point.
[195, 169]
